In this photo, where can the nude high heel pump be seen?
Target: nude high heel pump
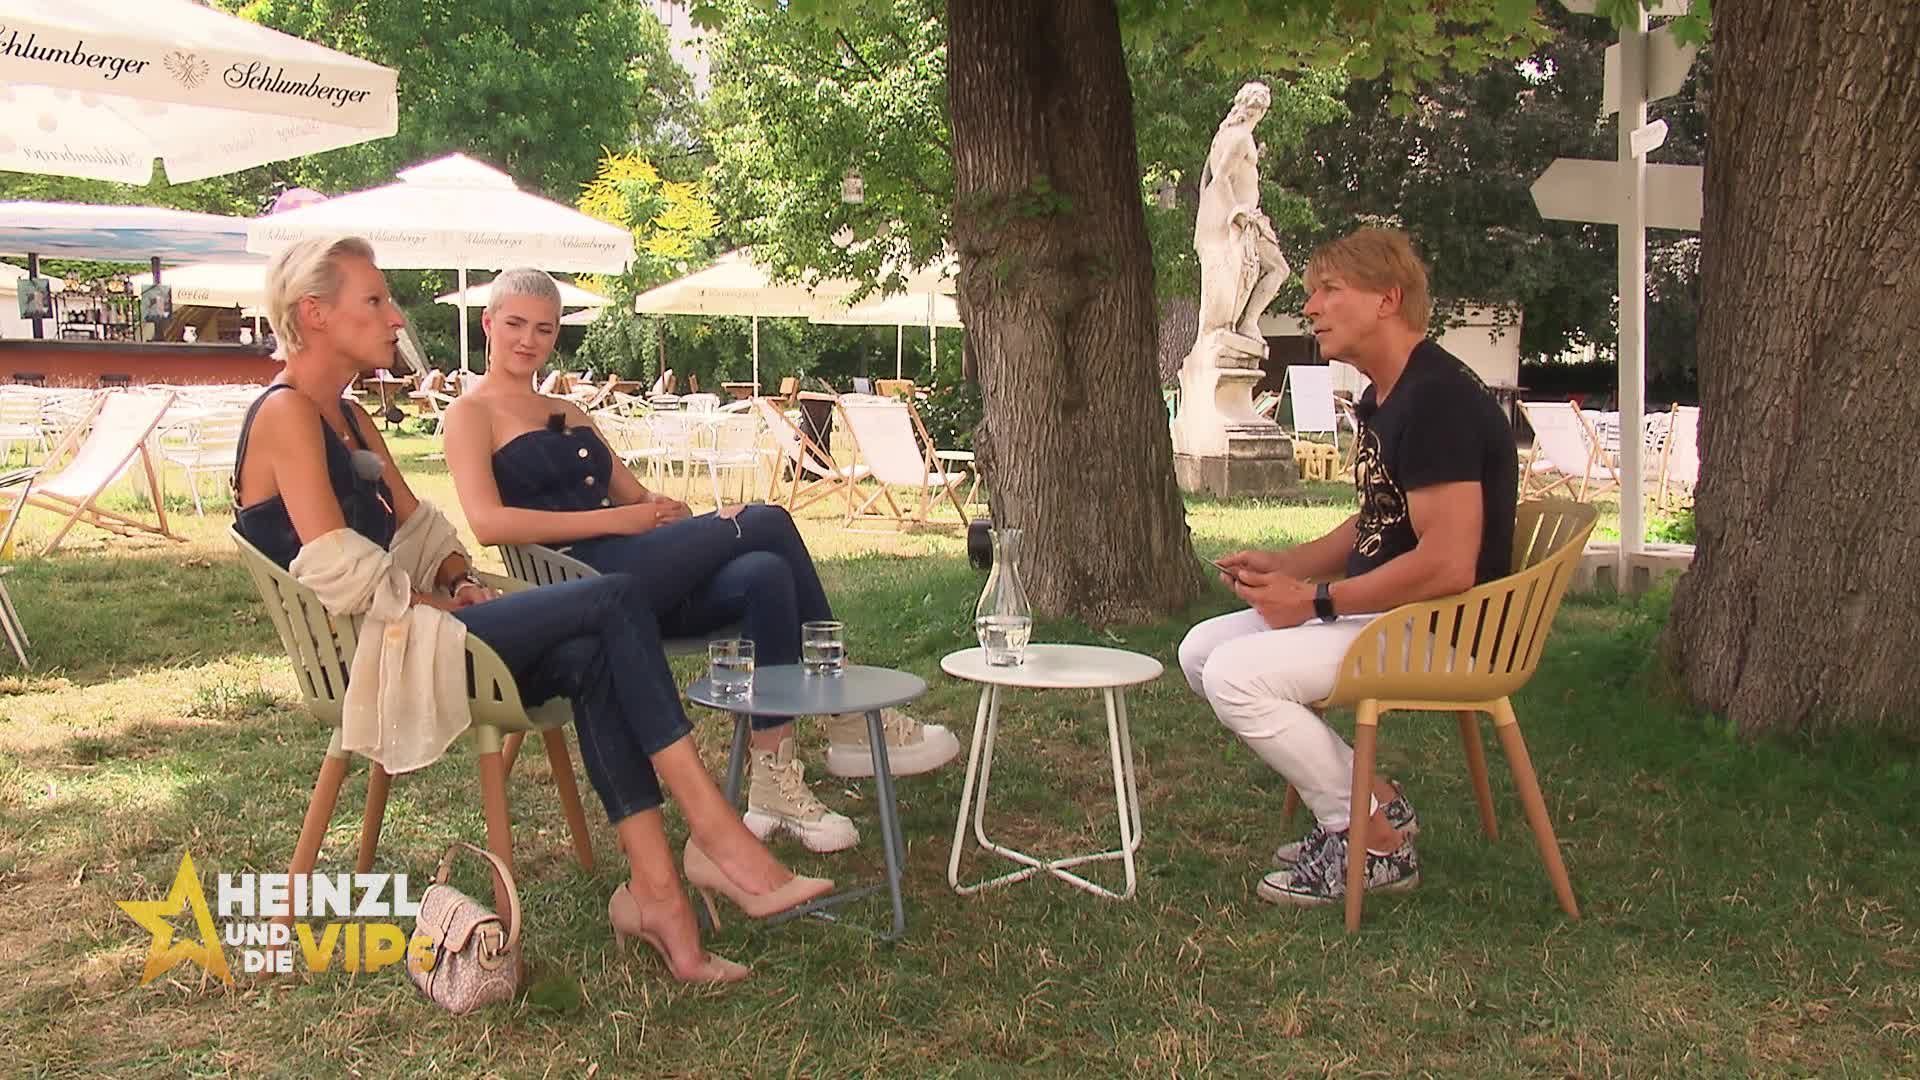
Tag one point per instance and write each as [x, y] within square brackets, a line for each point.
[623, 911]
[706, 876]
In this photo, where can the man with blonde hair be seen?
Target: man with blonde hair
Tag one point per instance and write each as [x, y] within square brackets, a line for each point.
[1437, 475]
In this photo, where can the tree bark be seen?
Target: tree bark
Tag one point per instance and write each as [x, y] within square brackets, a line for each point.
[1056, 287]
[1803, 604]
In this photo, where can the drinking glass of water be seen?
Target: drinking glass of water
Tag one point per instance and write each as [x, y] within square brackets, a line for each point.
[730, 668]
[823, 647]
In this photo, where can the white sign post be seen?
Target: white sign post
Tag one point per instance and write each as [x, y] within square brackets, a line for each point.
[1635, 196]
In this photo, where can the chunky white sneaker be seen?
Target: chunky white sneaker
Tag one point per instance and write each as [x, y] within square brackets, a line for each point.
[912, 747]
[778, 798]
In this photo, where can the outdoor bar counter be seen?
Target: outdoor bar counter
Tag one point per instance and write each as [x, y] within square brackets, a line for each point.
[110, 363]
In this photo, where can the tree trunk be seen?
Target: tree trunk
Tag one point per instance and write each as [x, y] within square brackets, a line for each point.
[1803, 604]
[1056, 286]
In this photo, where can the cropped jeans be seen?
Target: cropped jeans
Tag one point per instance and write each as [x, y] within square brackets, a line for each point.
[698, 575]
[582, 640]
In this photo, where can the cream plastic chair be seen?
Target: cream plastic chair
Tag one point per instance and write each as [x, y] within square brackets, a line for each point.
[1571, 450]
[804, 460]
[1464, 654]
[534, 565]
[321, 647]
[103, 446]
[883, 434]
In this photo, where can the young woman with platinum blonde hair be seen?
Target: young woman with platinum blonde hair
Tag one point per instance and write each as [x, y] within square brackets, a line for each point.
[532, 469]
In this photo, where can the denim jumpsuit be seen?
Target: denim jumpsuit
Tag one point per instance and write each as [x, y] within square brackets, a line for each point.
[693, 576]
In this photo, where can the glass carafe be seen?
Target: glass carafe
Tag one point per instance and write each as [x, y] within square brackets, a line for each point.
[1002, 620]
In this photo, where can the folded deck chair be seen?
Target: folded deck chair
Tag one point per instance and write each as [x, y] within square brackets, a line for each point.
[1566, 449]
[101, 449]
[811, 473]
[1680, 457]
[884, 437]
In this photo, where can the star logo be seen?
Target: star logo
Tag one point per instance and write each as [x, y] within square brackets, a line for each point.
[152, 915]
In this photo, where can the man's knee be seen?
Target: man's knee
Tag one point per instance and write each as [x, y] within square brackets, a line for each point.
[1248, 671]
[1193, 656]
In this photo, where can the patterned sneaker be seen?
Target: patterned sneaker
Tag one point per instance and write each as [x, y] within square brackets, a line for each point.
[1399, 814]
[778, 798]
[1322, 878]
[1295, 851]
[912, 747]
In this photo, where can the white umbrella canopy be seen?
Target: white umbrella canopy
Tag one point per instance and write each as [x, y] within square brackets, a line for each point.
[571, 296]
[583, 317]
[241, 285]
[100, 88]
[455, 213]
[897, 309]
[736, 285]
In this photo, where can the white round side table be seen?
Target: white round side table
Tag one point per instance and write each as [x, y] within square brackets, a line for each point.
[1051, 667]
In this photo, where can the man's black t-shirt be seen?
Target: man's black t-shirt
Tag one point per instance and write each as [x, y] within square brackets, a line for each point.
[1440, 425]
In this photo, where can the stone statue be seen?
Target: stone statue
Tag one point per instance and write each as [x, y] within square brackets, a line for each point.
[1241, 268]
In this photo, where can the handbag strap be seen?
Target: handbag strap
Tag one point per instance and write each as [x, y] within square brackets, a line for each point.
[506, 876]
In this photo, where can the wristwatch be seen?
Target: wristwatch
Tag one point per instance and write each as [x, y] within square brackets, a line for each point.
[1323, 602]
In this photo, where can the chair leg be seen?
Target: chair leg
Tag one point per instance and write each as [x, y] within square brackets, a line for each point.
[1288, 806]
[493, 797]
[510, 748]
[313, 829]
[1477, 769]
[1366, 731]
[562, 765]
[1507, 727]
[379, 782]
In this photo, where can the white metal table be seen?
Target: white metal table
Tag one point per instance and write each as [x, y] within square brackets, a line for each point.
[1051, 667]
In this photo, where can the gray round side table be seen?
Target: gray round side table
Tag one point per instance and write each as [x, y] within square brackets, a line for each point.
[787, 690]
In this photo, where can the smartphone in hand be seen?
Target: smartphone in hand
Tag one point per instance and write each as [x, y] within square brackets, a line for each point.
[1217, 568]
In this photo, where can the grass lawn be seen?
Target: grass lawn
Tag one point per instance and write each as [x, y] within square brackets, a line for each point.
[1749, 909]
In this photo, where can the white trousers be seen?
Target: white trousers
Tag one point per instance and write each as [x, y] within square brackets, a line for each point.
[1258, 681]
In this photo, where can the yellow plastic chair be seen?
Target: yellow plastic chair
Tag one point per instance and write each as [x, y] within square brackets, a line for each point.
[1464, 654]
[321, 647]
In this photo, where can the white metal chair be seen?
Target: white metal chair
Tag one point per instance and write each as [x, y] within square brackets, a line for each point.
[731, 445]
[204, 445]
[884, 438]
[20, 408]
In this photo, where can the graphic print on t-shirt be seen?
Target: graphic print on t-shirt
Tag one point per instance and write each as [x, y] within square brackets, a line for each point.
[1382, 504]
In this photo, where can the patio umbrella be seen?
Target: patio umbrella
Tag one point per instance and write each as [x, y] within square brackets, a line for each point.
[571, 296]
[100, 88]
[455, 213]
[899, 310]
[118, 233]
[736, 285]
[222, 284]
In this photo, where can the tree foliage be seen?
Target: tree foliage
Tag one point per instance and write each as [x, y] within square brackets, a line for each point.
[1455, 172]
[535, 88]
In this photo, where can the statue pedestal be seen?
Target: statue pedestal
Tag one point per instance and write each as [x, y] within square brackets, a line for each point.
[1219, 445]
